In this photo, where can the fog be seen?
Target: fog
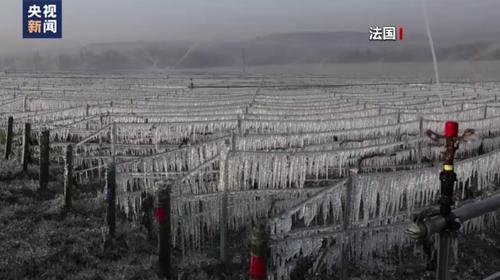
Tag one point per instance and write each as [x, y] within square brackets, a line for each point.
[171, 34]
[96, 21]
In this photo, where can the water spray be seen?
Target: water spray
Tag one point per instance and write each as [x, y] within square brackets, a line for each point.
[433, 52]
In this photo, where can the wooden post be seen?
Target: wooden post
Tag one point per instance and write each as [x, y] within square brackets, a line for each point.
[238, 125]
[25, 104]
[157, 148]
[100, 148]
[398, 130]
[346, 221]
[111, 198]
[44, 159]
[420, 143]
[258, 251]
[233, 141]
[223, 229]
[485, 114]
[87, 109]
[223, 254]
[164, 218]
[147, 203]
[26, 157]
[8, 142]
[68, 176]
[113, 141]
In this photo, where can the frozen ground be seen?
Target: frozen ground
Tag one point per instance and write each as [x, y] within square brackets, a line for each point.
[40, 240]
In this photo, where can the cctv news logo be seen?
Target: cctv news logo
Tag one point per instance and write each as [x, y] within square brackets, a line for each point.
[42, 19]
[386, 33]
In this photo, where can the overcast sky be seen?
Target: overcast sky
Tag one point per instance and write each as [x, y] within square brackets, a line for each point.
[93, 21]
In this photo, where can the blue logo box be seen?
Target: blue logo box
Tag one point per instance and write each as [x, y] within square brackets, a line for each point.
[42, 19]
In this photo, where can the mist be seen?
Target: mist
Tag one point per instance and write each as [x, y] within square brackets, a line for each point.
[232, 24]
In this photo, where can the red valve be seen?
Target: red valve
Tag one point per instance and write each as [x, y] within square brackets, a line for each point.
[257, 267]
[160, 215]
[451, 129]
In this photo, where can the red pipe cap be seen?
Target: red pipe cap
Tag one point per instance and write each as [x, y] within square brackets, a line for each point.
[160, 215]
[257, 267]
[451, 129]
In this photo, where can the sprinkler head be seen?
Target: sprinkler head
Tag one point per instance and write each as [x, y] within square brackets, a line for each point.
[416, 231]
[451, 129]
